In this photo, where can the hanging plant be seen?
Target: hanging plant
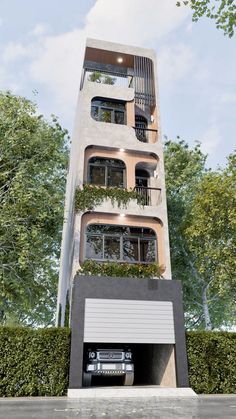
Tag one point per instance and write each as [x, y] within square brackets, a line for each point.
[90, 196]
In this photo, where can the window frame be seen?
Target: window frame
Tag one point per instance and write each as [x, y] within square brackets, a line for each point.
[106, 167]
[121, 237]
[102, 106]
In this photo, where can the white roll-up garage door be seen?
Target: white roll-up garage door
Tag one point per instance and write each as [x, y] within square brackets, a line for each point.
[131, 321]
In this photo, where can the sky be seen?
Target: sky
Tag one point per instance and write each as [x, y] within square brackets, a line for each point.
[41, 55]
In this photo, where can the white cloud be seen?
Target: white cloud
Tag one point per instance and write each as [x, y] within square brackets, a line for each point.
[59, 58]
[132, 22]
[55, 61]
[228, 97]
[175, 62]
[58, 65]
[38, 30]
[189, 27]
[14, 51]
[210, 139]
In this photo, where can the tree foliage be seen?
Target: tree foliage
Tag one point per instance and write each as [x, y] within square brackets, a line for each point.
[223, 12]
[33, 160]
[201, 208]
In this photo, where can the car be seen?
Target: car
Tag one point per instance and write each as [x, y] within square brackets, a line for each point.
[108, 362]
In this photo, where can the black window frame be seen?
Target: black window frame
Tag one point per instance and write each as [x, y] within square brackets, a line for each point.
[107, 167]
[101, 104]
[122, 236]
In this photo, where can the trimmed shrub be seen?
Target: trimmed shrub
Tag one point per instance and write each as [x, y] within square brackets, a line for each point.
[34, 362]
[122, 270]
[212, 362]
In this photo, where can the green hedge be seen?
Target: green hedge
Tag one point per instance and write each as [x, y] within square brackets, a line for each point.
[212, 362]
[36, 362]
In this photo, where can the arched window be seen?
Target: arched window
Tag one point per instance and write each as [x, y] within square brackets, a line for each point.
[107, 110]
[120, 243]
[141, 128]
[106, 172]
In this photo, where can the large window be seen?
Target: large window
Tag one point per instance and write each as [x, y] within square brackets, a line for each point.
[108, 111]
[120, 244]
[106, 172]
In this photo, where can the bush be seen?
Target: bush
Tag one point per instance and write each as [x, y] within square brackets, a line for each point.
[212, 362]
[34, 362]
[122, 270]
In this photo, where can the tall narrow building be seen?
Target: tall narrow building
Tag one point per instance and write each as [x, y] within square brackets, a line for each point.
[117, 144]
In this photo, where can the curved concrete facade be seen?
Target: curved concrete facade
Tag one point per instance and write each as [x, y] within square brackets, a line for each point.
[117, 141]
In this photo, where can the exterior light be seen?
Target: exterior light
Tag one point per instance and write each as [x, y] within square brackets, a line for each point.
[122, 215]
[120, 60]
[122, 149]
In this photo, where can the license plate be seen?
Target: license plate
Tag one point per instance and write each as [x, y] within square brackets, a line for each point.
[111, 367]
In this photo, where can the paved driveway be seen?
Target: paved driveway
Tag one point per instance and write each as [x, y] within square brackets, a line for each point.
[213, 407]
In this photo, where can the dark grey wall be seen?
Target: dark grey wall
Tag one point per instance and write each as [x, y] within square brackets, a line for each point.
[130, 289]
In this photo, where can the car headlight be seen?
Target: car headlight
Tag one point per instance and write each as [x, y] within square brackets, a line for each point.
[92, 355]
[128, 355]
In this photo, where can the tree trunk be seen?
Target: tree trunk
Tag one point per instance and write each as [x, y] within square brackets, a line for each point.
[207, 319]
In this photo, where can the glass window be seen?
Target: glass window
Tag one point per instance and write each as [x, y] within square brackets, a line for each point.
[97, 175]
[112, 248]
[94, 112]
[115, 177]
[105, 115]
[94, 247]
[121, 243]
[147, 250]
[108, 111]
[130, 250]
[106, 172]
[119, 117]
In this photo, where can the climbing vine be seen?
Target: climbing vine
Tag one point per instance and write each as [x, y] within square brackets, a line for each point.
[90, 196]
[122, 270]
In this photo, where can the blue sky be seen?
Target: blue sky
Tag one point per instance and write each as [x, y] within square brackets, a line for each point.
[42, 45]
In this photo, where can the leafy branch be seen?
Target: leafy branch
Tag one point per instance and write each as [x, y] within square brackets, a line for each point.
[222, 11]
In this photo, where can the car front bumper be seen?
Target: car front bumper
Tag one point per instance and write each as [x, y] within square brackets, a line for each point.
[103, 368]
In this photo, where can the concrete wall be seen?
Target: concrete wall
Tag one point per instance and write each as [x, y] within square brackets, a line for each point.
[164, 364]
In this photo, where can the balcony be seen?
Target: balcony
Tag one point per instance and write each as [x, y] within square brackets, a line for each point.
[146, 135]
[150, 196]
[111, 78]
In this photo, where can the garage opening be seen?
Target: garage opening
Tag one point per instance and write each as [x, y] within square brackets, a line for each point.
[118, 364]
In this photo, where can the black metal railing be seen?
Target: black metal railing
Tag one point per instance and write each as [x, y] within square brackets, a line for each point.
[146, 135]
[150, 196]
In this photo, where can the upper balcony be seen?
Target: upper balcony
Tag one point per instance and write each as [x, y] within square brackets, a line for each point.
[123, 70]
[112, 78]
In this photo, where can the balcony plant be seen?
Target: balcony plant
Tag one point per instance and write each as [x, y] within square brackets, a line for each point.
[90, 196]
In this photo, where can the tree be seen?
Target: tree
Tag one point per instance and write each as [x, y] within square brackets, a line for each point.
[223, 12]
[202, 233]
[33, 159]
[211, 235]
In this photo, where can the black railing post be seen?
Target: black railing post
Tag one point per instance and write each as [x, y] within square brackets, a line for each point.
[148, 195]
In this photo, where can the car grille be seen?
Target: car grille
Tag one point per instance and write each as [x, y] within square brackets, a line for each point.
[110, 355]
